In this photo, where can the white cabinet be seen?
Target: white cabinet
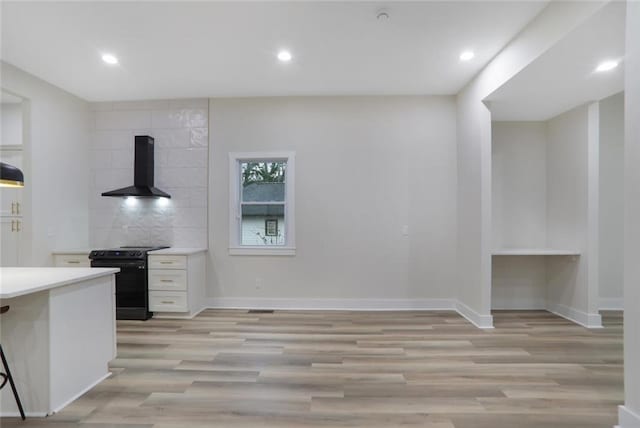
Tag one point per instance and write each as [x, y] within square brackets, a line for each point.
[168, 279]
[168, 301]
[71, 259]
[177, 282]
[167, 262]
[11, 197]
[11, 236]
[11, 202]
[11, 210]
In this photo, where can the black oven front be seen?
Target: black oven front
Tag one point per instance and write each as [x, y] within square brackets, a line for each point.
[132, 297]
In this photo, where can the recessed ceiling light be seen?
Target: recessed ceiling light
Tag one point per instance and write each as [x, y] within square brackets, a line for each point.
[466, 55]
[110, 59]
[284, 56]
[607, 65]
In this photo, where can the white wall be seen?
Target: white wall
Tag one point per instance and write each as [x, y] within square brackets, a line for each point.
[611, 225]
[571, 214]
[629, 416]
[519, 194]
[474, 148]
[519, 282]
[11, 114]
[567, 179]
[180, 129]
[365, 168]
[519, 181]
[56, 166]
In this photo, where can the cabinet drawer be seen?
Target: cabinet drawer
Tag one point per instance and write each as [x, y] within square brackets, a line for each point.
[168, 301]
[168, 279]
[72, 260]
[167, 262]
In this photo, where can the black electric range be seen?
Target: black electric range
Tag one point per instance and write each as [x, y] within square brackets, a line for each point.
[132, 286]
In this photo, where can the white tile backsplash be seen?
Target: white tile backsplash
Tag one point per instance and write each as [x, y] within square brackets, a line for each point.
[199, 137]
[122, 159]
[171, 138]
[180, 130]
[111, 139]
[179, 118]
[181, 177]
[110, 179]
[190, 157]
[190, 217]
[198, 197]
[101, 159]
[190, 237]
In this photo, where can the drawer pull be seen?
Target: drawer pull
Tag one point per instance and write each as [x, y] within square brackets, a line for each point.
[168, 302]
[166, 263]
[166, 280]
[73, 262]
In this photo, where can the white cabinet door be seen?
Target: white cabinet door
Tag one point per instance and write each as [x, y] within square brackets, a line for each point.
[11, 198]
[10, 236]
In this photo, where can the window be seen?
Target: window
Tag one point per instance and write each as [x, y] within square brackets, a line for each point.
[261, 205]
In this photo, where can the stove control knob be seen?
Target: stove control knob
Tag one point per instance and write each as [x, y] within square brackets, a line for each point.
[101, 253]
[139, 253]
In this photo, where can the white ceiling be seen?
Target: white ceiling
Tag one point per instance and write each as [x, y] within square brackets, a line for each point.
[196, 49]
[564, 77]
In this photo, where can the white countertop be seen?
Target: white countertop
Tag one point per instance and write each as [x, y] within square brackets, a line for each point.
[534, 252]
[73, 251]
[177, 251]
[19, 281]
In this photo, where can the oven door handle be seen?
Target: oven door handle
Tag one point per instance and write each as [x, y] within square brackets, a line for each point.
[119, 264]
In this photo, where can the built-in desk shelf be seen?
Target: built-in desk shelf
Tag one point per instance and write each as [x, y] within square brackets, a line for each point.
[534, 252]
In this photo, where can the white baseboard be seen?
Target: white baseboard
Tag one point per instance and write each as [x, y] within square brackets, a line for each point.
[178, 315]
[611, 304]
[480, 321]
[627, 418]
[333, 304]
[588, 320]
[519, 305]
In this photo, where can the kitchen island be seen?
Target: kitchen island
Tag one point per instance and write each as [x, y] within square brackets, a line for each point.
[58, 336]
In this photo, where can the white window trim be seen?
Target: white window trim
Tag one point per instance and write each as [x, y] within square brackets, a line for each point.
[235, 247]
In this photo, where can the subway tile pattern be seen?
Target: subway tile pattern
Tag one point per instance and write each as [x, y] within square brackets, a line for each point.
[181, 132]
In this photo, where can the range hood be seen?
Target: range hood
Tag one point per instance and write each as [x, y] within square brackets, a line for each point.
[142, 174]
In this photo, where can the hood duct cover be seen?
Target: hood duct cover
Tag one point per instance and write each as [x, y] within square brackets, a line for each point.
[143, 173]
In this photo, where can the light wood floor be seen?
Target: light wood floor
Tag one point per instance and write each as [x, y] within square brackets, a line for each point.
[230, 368]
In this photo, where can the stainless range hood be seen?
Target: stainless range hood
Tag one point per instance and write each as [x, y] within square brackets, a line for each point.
[142, 174]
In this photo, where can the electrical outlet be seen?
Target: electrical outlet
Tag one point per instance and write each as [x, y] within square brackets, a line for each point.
[405, 230]
[258, 283]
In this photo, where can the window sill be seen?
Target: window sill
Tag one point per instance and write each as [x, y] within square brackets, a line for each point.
[262, 251]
